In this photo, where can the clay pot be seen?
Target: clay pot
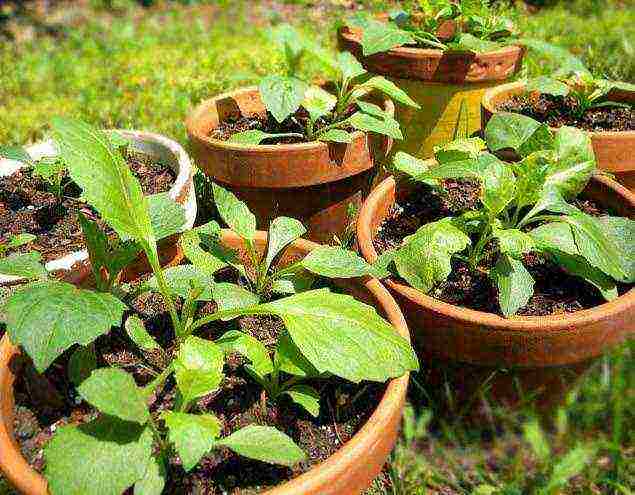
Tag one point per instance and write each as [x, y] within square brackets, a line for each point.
[613, 150]
[317, 183]
[347, 472]
[154, 145]
[447, 85]
[541, 350]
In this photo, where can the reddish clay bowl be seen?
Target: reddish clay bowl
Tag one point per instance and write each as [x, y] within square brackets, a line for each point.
[315, 182]
[480, 338]
[349, 471]
[613, 150]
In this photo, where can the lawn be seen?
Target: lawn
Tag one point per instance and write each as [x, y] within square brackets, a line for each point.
[119, 64]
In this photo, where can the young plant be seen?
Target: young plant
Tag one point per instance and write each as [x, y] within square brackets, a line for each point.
[523, 207]
[326, 333]
[23, 265]
[329, 115]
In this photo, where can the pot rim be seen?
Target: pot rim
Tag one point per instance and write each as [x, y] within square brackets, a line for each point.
[522, 324]
[488, 104]
[203, 106]
[25, 478]
[182, 190]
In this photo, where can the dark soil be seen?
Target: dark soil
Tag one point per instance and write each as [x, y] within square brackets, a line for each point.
[558, 111]
[27, 206]
[555, 290]
[45, 403]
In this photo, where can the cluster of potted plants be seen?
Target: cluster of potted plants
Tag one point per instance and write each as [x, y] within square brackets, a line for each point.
[150, 352]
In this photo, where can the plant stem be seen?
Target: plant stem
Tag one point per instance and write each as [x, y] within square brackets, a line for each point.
[475, 256]
[153, 257]
[228, 313]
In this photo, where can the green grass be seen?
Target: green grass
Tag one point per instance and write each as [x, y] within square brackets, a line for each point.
[145, 68]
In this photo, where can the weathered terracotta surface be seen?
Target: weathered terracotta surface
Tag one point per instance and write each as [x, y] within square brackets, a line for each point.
[314, 182]
[347, 472]
[480, 338]
[614, 151]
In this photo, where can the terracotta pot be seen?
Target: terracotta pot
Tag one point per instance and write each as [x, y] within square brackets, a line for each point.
[317, 183]
[347, 472]
[537, 348]
[154, 145]
[447, 85]
[613, 150]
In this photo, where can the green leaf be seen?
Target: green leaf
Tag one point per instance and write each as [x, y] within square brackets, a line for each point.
[318, 102]
[336, 262]
[374, 110]
[198, 368]
[104, 457]
[234, 213]
[255, 136]
[380, 37]
[535, 437]
[365, 122]
[515, 284]
[282, 96]
[336, 135]
[282, 232]
[292, 283]
[561, 56]
[518, 132]
[114, 392]
[409, 165]
[46, 318]
[498, 186]
[106, 181]
[137, 332]
[572, 464]
[264, 443]
[153, 481]
[16, 153]
[555, 235]
[18, 240]
[531, 173]
[49, 170]
[289, 359]
[193, 435]
[208, 262]
[27, 265]
[349, 66]
[180, 280]
[550, 200]
[389, 88]
[622, 232]
[547, 86]
[459, 149]
[513, 242]
[469, 42]
[578, 266]
[575, 162]
[166, 215]
[232, 296]
[306, 397]
[424, 258]
[287, 36]
[249, 347]
[451, 170]
[343, 336]
[81, 364]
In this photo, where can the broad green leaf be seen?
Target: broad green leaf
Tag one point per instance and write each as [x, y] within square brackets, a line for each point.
[255, 136]
[318, 102]
[49, 170]
[390, 89]
[518, 132]
[382, 263]
[380, 37]
[343, 336]
[575, 162]
[106, 181]
[232, 296]
[550, 200]
[409, 165]
[193, 435]
[153, 481]
[137, 332]
[336, 262]
[182, 278]
[555, 235]
[234, 213]
[535, 437]
[198, 368]
[451, 170]
[548, 86]
[564, 59]
[293, 283]
[306, 397]
[622, 232]
[469, 42]
[531, 173]
[289, 359]
[81, 364]
[46, 318]
[424, 258]
[18, 240]
[104, 457]
[572, 464]
[27, 265]
[365, 122]
[287, 36]
[265, 444]
[282, 96]
[114, 392]
[349, 66]
[166, 215]
[498, 186]
[459, 150]
[372, 109]
[207, 261]
[249, 347]
[282, 232]
[515, 284]
[16, 153]
[513, 242]
[336, 136]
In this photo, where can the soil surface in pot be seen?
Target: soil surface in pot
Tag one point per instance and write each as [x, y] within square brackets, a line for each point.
[46, 402]
[555, 290]
[28, 206]
[557, 111]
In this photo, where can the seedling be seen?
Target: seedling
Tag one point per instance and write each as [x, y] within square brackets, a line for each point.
[326, 333]
[524, 206]
[329, 115]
